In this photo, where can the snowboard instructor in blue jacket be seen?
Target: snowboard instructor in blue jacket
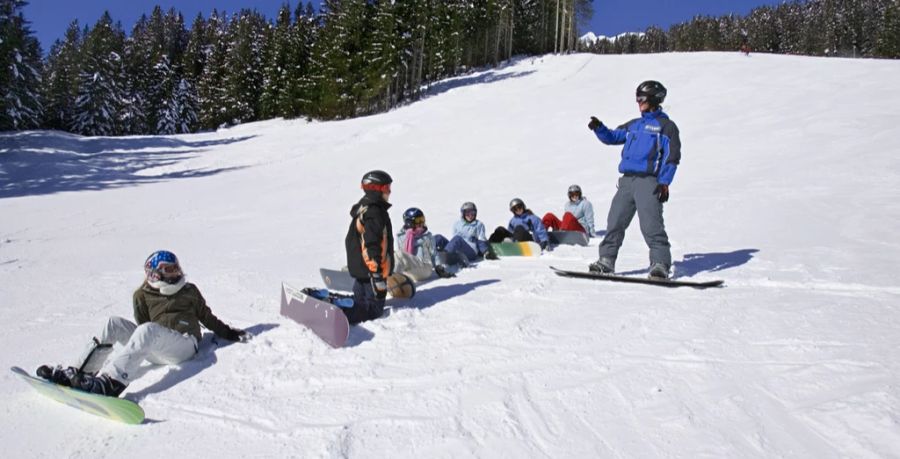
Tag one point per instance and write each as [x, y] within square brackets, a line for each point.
[650, 158]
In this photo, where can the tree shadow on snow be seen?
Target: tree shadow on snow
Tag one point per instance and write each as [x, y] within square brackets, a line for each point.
[480, 77]
[205, 358]
[695, 263]
[46, 162]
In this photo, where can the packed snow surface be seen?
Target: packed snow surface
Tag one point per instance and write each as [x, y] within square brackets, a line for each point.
[788, 189]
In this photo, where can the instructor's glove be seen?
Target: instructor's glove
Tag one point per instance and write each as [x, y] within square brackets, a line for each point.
[236, 334]
[379, 285]
[662, 192]
[594, 124]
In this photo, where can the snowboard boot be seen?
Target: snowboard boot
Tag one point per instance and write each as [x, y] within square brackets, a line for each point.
[659, 271]
[603, 266]
[442, 272]
[101, 384]
[58, 374]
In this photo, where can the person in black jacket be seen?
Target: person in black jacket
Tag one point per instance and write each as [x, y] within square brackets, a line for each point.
[370, 248]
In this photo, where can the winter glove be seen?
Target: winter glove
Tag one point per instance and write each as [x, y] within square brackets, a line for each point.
[545, 245]
[594, 124]
[379, 285]
[236, 334]
[662, 192]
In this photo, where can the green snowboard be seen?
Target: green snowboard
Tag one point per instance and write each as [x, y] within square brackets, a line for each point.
[114, 408]
[517, 249]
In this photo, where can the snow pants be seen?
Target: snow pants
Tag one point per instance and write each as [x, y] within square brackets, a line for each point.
[568, 222]
[149, 341]
[366, 304]
[519, 235]
[636, 194]
[413, 266]
[457, 245]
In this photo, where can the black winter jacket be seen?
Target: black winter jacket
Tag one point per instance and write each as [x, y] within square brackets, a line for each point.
[370, 238]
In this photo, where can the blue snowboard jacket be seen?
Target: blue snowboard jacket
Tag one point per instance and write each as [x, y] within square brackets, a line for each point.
[530, 222]
[652, 146]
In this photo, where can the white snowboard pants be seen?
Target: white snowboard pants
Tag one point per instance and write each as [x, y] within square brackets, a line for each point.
[149, 341]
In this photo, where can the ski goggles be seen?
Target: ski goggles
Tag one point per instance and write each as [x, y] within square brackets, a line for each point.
[386, 188]
[517, 207]
[642, 99]
[470, 213]
[165, 271]
[418, 221]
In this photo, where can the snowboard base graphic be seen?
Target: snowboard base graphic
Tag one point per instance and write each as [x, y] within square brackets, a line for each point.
[113, 408]
[326, 320]
[516, 249]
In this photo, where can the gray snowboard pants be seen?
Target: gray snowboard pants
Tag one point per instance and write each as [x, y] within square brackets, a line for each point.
[149, 341]
[635, 194]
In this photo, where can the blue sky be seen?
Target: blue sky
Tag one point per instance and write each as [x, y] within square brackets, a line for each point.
[50, 18]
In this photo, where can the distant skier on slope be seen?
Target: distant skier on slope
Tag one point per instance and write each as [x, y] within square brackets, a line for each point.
[370, 248]
[168, 312]
[649, 160]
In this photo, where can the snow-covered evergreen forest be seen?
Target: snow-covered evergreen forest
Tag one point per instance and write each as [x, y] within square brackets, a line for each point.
[350, 58]
[845, 28]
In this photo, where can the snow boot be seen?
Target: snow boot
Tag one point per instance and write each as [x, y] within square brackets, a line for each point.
[659, 271]
[442, 272]
[603, 266]
[57, 374]
[101, 384]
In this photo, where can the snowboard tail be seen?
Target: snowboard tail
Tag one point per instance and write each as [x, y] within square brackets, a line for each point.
[336, 279]
[638, 280]
[568, 238]
[517, 249]
[326, 320]
[113, 408]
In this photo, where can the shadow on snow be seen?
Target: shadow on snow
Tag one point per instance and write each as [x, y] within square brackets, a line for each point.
[695, 263]
[46, 162]
[205, 358]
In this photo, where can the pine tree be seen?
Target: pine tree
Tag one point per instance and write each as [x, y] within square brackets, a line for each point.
[101, 82]
[245, 41]
[20, 70]
[336, 55]
[211, 85]
[887, 42]
[61, 80]
[382, 59]
[278, 71]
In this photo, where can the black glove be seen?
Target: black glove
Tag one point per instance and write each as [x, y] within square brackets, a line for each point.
[545, 245]
[594, 124]
[662, 192]
[236, 334]
[379, 285]
[442, 272]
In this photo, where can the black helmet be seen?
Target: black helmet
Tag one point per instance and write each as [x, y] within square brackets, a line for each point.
[574, 189]
[516, 202]
[412, 216]
[376, 180]
[466, 207]
[652, 91]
